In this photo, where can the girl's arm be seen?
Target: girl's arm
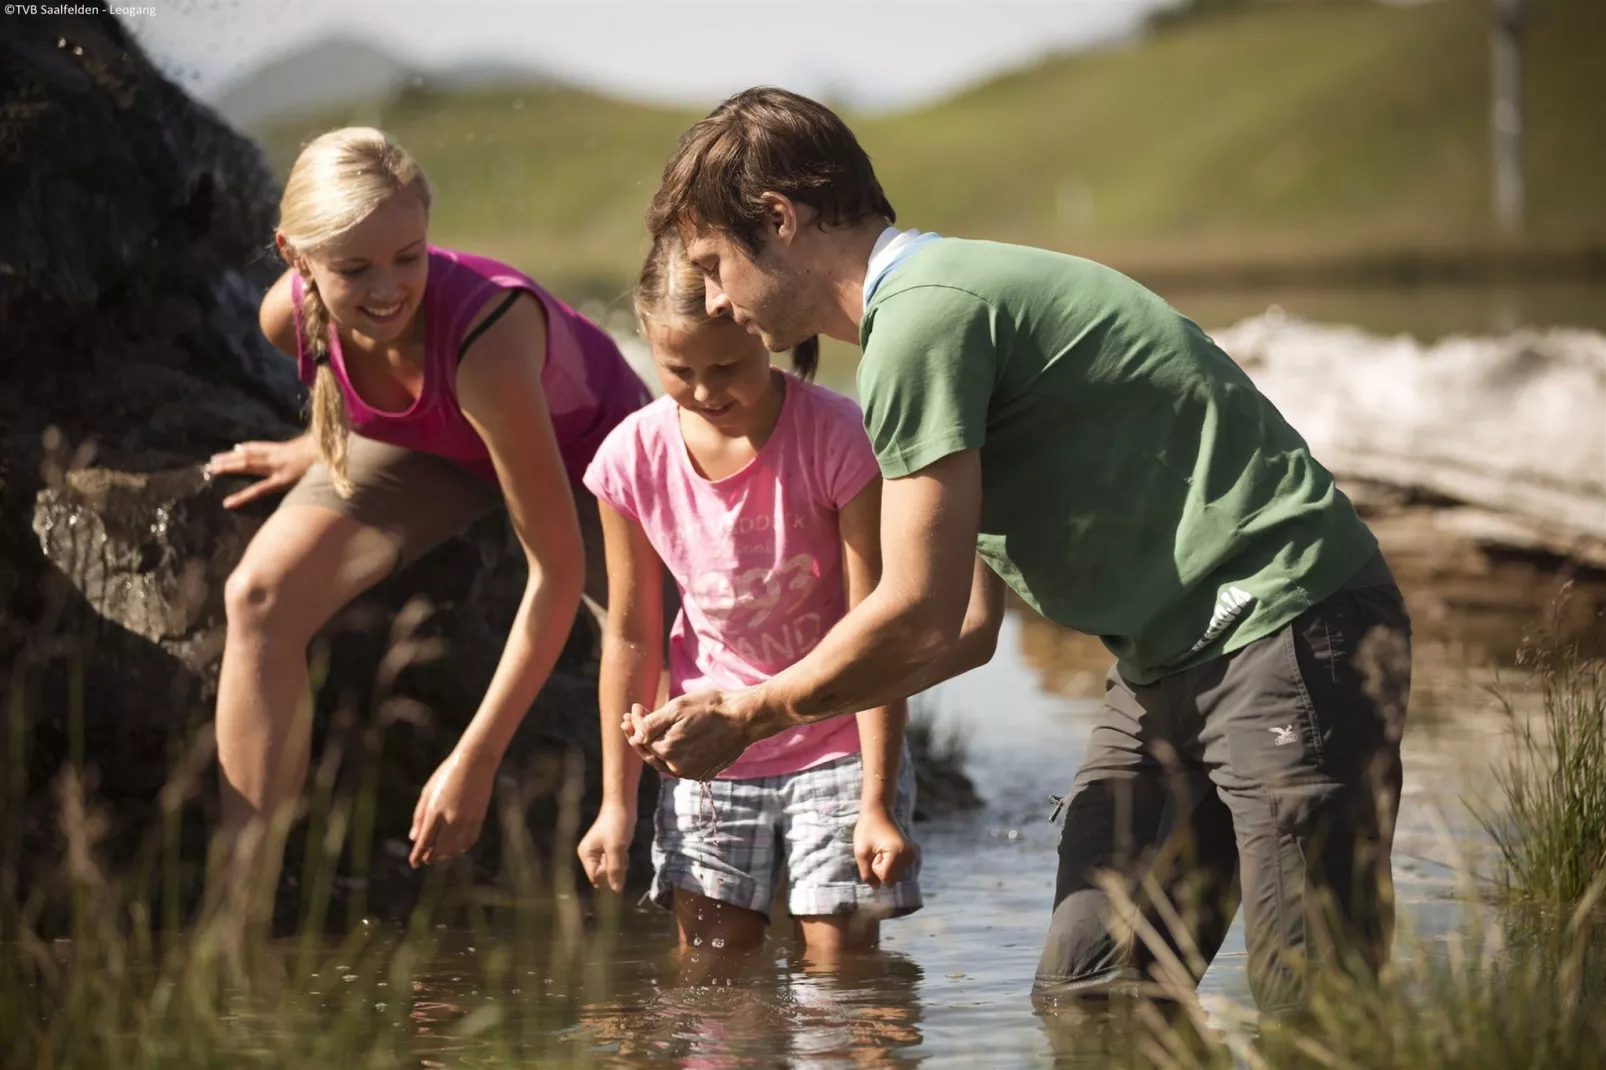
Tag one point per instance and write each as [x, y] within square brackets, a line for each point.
[632, 661]
[499, 388]
[882, 851]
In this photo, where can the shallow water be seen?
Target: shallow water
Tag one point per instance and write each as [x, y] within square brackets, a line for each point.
[951, 985]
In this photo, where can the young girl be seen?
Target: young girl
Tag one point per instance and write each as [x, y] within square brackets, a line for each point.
[443, 384]
[759, 492]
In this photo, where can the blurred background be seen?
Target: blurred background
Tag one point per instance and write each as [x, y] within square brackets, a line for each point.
[1331, 156]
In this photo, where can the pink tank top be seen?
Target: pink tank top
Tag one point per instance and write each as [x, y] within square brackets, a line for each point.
[588, 384]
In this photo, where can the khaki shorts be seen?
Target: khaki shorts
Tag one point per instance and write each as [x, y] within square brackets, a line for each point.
[419, 501]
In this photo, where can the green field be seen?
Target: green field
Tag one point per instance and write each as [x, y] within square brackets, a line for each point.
[1284, 134]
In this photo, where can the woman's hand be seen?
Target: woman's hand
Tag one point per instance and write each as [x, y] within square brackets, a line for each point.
[280, 464]
[451, 808]
[605, 850]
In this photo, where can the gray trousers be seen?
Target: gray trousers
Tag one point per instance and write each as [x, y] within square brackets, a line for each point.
[1269, 776]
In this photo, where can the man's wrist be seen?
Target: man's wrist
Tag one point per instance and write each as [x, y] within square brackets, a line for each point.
[760, 712]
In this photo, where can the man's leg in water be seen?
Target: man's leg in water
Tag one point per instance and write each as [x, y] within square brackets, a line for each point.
[1143, 812]
[1302, 733]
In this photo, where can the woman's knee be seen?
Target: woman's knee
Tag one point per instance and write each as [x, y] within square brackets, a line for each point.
[258, 598]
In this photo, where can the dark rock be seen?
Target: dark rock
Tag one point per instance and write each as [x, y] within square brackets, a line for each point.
[135, 246]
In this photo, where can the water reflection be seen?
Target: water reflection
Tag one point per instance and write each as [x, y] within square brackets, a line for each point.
[635, 1000]
[716, 1012]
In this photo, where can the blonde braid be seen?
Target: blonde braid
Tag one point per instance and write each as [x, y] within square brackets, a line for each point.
[330, 424]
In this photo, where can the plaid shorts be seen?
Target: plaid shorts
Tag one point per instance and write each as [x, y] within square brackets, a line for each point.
[730, 839]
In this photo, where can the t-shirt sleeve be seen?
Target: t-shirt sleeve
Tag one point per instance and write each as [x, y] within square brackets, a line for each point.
[850, 463]
[612, 471]
[927, 376]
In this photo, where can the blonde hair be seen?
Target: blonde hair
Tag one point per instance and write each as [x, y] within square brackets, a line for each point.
[670, 293]
[337, 182]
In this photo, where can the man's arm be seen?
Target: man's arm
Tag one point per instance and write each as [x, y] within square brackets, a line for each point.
[916, 628]
[912, 619]
[978, 637]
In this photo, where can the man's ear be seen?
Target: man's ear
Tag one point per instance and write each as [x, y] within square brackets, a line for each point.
[781, 217]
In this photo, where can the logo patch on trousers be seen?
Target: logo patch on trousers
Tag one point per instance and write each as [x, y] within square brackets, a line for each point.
[1282, 737]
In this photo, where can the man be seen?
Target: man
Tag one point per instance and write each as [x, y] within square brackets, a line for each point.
[1077, 438]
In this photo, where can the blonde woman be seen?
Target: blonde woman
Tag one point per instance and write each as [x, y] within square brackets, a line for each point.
[443, 385]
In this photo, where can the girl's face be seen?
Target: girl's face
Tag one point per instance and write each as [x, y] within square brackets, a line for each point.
[372, 277]
[714, 369]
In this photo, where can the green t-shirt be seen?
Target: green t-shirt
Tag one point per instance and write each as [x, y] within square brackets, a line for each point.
[1135, 483]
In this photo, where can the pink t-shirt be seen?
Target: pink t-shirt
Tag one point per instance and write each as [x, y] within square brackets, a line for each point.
[757, 555]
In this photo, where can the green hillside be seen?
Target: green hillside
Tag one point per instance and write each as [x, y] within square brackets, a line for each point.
[1287, 133]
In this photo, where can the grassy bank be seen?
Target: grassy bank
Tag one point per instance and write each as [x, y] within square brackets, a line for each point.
[1550, 824]
[1340, 141]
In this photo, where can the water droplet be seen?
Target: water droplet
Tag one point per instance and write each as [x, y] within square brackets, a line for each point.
[379, 1006]
[471, 951]
[384, 984]
[1014, 834]
[350, 977]
[718, 941]
[697, 941]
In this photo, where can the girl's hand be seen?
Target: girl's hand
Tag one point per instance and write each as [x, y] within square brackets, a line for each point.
[280, 464]
[605, 850]
[451, 808]
[882, 852]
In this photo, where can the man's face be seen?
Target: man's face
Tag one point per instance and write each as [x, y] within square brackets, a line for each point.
[767, 295]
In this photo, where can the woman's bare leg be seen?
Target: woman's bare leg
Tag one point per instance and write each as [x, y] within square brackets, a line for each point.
[303, 565]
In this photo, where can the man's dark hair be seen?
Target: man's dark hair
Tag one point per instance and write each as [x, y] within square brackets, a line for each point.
[762, 141]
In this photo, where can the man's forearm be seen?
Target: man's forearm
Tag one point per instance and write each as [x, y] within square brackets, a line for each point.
[907, 656]
[838, 677]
